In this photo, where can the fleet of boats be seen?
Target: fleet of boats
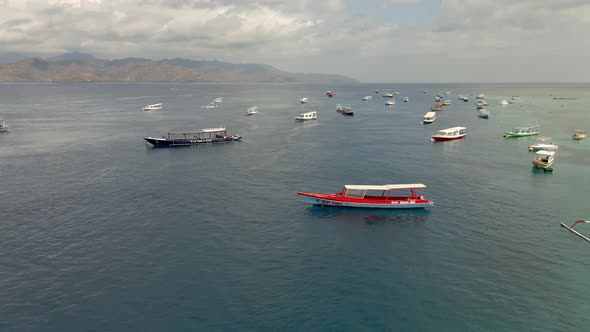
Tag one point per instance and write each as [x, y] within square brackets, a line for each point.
[371, 196]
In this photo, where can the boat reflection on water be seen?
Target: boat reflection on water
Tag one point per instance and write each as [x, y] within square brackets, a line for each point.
[369, 216]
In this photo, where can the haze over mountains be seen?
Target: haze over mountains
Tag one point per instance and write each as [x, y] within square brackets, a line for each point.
[81, 67]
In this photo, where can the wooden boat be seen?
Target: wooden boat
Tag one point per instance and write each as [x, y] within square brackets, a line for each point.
[523, 131]
[3, 126]
[152, 107]
[183, 139]
[437, 107]
[344, 110]
[307, 116]
[252, 110]
[484, 114]
[450, 134]
[429, 117]
[544, 160]
[370, 196]
[579, 134]
[543, 143]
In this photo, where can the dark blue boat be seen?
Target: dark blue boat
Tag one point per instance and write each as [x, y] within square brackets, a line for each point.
[184, 139]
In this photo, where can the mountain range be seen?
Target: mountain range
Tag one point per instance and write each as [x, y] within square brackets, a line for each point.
[81, 67]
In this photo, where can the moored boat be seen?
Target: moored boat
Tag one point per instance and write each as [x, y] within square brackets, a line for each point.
[3, 126]
[450, 134]
[406, 99]
[390, 102]
[252, 110]
[303, 100]
[543, 143]
[365, 98]
[388, 95]
[522, 131]
[217, 100]
[371, 196]
[544, 160]
[437, 107]
[307, 116]
[182, 139]
[429, 117]
[330, 93]
[152, 107]
[344, 110]
[579, 134]
[484, 114]
[503, 102]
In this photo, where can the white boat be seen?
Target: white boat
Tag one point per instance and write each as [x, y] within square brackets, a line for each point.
[429, 117]
[425, 91]
[397, 93]
[209, 106]
[503, 102]
[450, 134]
[579, 134]
[307, 116]
[406, 99]
[303, 100]
[480, 96]
[481, 102]
[217, 100]
[544, 160]
[543, 143]
[390, 102]
[3, 126]
[388, 95]
[153, 107]
[365, 98]
[252, 110]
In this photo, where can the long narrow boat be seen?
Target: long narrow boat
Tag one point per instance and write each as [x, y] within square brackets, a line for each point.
[450, 134]
[523, 131]
[204, 136]
[371, 196]
[152, 107]
[571, 228]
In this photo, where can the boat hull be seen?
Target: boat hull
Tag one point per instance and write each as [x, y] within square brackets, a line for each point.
[509, 134]
[404, 203]
[447, 138]
[172, 143]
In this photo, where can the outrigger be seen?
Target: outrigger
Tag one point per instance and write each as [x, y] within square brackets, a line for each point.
[180, 139]
[380, 197]
[571, 228]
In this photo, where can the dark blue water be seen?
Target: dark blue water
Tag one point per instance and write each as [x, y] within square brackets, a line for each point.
[100, 232]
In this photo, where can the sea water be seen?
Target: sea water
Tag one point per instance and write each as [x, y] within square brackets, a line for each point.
[101, 232]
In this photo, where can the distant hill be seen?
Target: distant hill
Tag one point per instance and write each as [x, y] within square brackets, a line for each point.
[80, 67]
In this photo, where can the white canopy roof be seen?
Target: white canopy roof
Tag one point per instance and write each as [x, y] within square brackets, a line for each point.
[386, 187]
[453, 129]
[545, 152]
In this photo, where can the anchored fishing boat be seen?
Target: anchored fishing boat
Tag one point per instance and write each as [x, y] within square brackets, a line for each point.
[543, 143]
[303, 100]
[450, 134]
[344, 110]
[330, 93]
[544, 160]
[307, 116]
[429, 117]
[204, 136]
[371, 196]
[484, 114]
[522, 131]
[571, 228]
[252, 110]
[578, 134]
[3, 126]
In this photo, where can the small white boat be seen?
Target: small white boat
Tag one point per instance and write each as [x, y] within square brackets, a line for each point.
[544, 160]
[480, 96]
[503, 102]
[390, 102]
[579, 134]
[3, 126]
[429, 117]
[209, 106]
[388, 95]
[217, 100]
[153, 107]
[307, 116]
[406, 99]
[484, 113]
[425, 91]
[252, 110]
[365, 98]
[543, 143]
[303, 100]
[397, 93]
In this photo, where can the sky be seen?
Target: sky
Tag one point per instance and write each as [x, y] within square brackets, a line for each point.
[370, 40]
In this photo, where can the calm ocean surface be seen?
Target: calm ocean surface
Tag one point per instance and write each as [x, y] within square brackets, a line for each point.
[101, 233]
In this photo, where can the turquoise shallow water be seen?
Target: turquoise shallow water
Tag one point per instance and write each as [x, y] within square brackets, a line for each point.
[102, 233]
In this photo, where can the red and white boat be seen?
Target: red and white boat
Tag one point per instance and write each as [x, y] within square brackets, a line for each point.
[370, 196]
[450, 134]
